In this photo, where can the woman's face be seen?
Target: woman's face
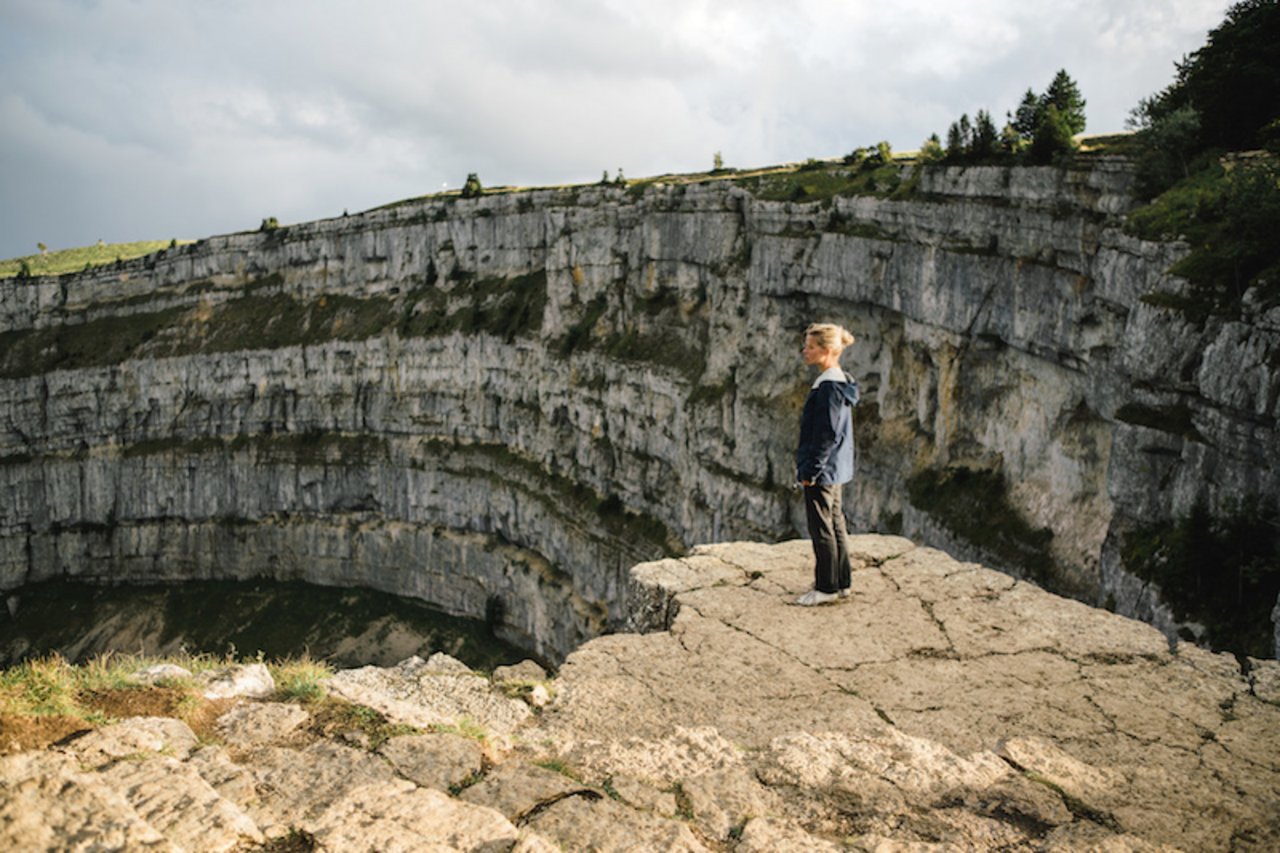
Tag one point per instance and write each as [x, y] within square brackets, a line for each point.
[813, 354]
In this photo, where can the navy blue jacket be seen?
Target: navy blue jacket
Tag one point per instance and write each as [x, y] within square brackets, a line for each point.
[825, 453]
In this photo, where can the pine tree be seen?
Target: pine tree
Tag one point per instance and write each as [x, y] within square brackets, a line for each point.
[986, 142]
[1027, 118]
[1053, 137]
[955, 142]
[1065, 95]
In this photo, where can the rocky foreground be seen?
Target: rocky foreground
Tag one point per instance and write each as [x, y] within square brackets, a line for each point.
[941, 706]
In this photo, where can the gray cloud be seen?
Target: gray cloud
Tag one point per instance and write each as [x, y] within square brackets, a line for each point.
[137, 119]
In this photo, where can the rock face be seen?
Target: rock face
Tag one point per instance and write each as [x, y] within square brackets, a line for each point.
[499, 404]
[942, 706]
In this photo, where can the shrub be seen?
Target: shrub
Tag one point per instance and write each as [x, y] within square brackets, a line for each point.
[931, 149]
[301, 680]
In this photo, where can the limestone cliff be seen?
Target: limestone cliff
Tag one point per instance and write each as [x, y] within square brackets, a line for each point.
[498, 404]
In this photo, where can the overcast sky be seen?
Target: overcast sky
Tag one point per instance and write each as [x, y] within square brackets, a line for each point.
[150, 119]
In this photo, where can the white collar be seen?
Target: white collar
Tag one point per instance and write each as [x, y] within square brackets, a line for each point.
[831, 374]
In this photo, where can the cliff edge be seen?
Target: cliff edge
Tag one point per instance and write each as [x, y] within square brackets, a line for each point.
[942, 704]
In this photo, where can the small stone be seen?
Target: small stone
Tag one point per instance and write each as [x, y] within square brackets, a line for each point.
[538, 696]
[533, 842]
[160, 672]
[251, 680]
[526, 670]
[516, 789]
[172, 797]
[441, 662]
[644, 795]
[439, 691]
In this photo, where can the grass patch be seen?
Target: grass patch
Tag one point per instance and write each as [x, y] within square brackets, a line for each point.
[295, 841]
[555, 765]
[463, 727]
[580, 333]
[301, 679]
[821, 181]
[86, 257]
[503, 307]
[663, 346]
[45, 699]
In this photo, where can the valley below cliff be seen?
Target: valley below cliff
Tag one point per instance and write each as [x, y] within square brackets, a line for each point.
[499, 404]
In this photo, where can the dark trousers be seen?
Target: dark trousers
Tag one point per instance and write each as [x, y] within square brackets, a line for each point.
[832, 571]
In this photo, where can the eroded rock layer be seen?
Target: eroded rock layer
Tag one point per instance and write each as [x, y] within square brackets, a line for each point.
[500, 403]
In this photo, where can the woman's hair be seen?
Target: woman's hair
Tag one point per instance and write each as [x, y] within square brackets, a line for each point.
[830, 336]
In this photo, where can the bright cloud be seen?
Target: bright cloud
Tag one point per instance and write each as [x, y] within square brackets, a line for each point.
[139, 119]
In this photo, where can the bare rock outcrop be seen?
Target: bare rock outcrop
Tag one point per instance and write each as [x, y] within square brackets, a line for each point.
[941, 706]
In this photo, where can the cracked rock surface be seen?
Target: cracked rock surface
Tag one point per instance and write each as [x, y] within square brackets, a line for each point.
[940, 706]
[942, 702]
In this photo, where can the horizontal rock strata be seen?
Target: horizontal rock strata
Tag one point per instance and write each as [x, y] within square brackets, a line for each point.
[501, 403]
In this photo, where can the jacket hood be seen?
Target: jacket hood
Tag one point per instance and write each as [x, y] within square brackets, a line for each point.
[844, 384]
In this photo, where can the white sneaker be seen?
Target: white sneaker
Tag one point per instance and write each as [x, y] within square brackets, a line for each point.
[814, 597]
[844, 593]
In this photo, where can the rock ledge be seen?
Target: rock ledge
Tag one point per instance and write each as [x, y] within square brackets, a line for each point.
[943, 705]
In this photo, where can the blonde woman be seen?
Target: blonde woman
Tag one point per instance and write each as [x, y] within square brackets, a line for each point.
[824, 459]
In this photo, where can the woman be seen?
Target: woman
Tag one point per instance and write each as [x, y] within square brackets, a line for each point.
[824, 459]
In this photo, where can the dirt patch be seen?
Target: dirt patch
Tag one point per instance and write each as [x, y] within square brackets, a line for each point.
[198, 713]
[19, 733]
[136, 701]
[203, 717]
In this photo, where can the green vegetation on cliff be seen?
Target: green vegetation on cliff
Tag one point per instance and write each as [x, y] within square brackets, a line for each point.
[1227, 211]
[821, 181]
[265, 316]
[1222, 571]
